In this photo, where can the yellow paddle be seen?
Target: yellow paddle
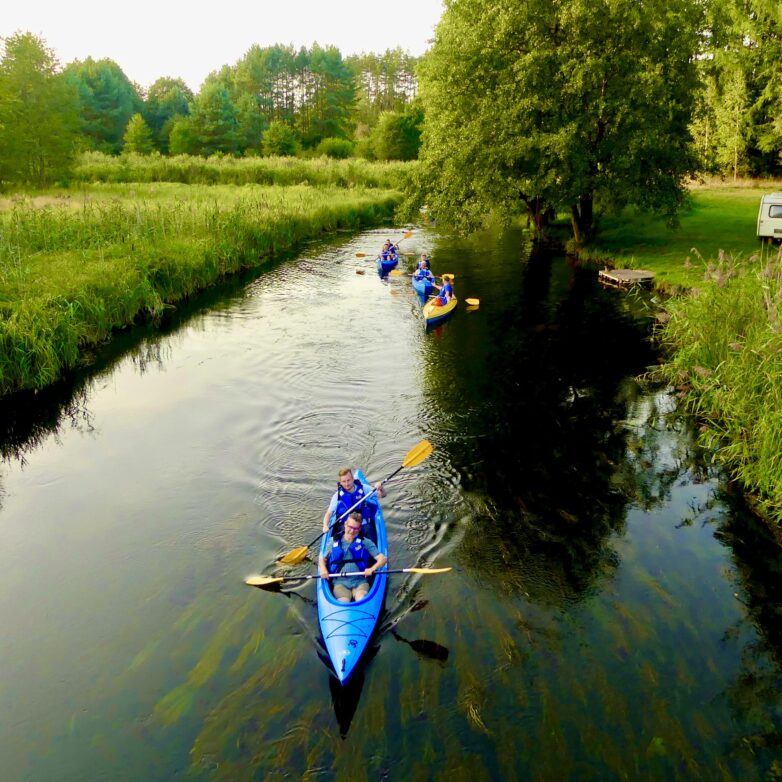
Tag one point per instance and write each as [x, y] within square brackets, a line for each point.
[407, 235]
[414, 456]
[270, 582]
[473, 302]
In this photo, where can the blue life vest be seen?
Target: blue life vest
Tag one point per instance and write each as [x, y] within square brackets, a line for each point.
[447, 288]
[358, 554]
[423, 274]
[346, 500]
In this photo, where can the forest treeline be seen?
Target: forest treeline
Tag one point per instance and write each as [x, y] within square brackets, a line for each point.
[273, 101]
[546, 98]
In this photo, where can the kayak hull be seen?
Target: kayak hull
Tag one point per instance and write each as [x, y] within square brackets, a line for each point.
[434, 314]
[423, 287]
[384, 267]
[347, 628]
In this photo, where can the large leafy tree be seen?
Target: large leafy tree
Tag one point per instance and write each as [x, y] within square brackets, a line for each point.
[108, 101]
[39, 113]
[167, 99]
[558, 106]
[397, 135]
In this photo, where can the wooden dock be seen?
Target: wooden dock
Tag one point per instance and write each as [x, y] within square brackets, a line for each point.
[625, 278]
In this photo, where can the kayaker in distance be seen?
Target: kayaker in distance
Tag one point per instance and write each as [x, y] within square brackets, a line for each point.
[446, 291]
[423, 272]
[388, 253]
[351, 554]
[348, 493]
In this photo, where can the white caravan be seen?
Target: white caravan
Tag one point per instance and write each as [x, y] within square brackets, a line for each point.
[770, 217]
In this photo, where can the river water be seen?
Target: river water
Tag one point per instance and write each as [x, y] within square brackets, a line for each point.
[613, 612]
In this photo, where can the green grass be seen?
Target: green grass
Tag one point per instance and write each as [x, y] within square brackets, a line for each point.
[720, 218]
[76, 265]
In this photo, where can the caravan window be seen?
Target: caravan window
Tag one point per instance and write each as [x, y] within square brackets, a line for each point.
[775, 210]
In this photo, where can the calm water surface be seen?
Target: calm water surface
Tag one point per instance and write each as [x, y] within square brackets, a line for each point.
[613, 612]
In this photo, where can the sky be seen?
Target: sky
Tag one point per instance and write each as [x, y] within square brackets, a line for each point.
[189, 40]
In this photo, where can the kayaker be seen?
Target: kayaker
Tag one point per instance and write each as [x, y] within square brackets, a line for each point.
[388, 253]
[446, 290]
[423, 272]
[348, 493]
[351, 553]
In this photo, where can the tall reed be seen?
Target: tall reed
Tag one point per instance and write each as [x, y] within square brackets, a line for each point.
[724, 346]
[189, 169]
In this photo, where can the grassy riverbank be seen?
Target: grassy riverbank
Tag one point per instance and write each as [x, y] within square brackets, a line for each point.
[74, 265]
[722, 327]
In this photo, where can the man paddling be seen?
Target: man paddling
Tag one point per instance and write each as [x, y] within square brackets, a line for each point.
[350, 492]
[351, 554]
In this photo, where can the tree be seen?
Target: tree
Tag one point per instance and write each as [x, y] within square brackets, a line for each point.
[167, 99]
[138, 136]
[108, 101]
[732, 123]
[279, 139]
[39, 113]
[397, 135]
[181, 138]
[327, 96]
[213, 120]
[385, 82]
[557, 106]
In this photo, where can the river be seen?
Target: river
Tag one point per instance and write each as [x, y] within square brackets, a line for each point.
[613, 611]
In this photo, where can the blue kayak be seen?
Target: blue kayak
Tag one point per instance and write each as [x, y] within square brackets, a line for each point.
[384, 267]
[423, 287]
[348, 627]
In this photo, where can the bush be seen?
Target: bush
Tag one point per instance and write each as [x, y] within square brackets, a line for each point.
[339, 148]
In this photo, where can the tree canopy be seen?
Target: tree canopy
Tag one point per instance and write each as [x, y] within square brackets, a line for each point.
[108, 101]
[557, 105]
[39, 113]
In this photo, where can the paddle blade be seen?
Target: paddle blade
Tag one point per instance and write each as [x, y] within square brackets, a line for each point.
[407, 235]
[294, 557]
[395, 273]
[361, 255]
[427, 570]
[263, 582]
[417, 454]
[473, 302]
[429, 649]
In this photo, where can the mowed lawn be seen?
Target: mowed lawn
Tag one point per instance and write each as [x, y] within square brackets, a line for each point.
[720, 218]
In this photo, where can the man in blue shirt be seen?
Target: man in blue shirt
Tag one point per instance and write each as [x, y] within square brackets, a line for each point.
[351, 554]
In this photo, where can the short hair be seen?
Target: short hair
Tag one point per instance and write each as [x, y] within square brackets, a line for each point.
[345, 471]
[356, 516]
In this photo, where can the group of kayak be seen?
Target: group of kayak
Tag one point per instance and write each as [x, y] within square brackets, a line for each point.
[436, 307]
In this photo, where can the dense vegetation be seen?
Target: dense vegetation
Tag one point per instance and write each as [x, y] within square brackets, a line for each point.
[78, 266]
[188, 169]
[273, 101]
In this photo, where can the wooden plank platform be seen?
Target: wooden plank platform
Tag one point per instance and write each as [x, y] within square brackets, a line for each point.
[625, 278]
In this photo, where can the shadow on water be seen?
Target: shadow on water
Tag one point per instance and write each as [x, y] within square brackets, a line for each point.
[538, 405]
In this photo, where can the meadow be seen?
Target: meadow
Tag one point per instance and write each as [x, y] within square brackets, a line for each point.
[77, 264]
